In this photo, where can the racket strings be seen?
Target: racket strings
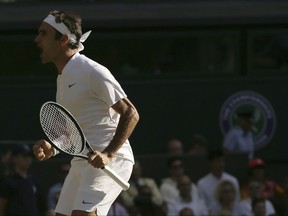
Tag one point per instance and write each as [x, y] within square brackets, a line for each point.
[61, 130]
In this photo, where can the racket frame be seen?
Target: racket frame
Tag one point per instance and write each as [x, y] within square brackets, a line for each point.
[108, 171]
[62, 108]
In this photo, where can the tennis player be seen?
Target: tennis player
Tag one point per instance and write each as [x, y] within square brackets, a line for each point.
[97, 101]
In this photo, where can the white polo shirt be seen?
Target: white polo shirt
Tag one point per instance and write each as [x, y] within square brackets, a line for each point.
[88, 90]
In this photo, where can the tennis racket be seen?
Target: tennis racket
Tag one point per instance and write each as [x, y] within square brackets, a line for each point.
[65, 134]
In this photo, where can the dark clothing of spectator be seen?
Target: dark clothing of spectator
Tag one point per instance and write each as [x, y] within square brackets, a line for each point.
[21, 195]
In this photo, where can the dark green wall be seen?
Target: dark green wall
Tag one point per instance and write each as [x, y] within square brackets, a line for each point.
[167, 108]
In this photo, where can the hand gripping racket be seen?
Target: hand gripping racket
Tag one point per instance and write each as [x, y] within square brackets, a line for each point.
[65, 134]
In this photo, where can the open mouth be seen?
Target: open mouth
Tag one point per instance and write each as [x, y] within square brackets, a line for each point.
[40, 50]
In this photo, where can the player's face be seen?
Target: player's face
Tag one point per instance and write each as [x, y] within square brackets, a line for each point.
[46, 42]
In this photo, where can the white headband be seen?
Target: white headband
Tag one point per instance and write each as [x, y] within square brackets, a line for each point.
[62, 28]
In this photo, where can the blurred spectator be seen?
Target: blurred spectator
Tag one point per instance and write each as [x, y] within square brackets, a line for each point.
[254, 192]
[144, 204]
[174, 147]
[117, 209]
[142, 193]
[19, 193]
[168, 186]
[186, 212]
[55, 189]
[198, 144]
[217, 53]
[226, 200]
[240, 138]
[270, 188]
[5, 164]
[270, 52]
[258, 207]
[185, 199]
[208, 183]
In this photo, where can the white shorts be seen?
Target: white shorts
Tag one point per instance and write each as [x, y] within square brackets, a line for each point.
[88, 189]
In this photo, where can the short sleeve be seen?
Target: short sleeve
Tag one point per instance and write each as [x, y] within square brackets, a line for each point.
[105, 86]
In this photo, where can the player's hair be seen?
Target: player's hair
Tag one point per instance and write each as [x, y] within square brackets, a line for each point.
[72, 22]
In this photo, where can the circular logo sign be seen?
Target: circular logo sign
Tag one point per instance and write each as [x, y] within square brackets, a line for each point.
[264, 119]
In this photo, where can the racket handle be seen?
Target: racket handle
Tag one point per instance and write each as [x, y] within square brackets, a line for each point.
[124, 184]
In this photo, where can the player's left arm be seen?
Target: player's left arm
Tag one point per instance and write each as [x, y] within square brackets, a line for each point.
[129, 118]
[127, 122]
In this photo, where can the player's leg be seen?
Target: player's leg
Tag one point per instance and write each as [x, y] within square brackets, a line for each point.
[68, 192]
[102, 191]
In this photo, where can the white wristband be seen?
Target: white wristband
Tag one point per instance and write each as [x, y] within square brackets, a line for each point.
[55, 151]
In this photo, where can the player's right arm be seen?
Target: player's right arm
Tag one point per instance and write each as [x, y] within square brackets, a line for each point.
[43, 150]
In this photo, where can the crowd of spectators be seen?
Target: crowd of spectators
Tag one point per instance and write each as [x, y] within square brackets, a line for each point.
[217, 193]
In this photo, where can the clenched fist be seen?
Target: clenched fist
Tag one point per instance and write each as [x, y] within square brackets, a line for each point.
[43, 150]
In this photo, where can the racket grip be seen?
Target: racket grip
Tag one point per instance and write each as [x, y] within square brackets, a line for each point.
[124, 184]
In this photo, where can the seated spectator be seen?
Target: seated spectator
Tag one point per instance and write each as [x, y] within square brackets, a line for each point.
[185, 199]
[270, 188]
[174, 147]
[142, 190]
[198, 144]
[254, 192]
[226, 200]
[144, 205]
[19, 192]
[258, 207]
[186, 212]
[55, 189]
[168, 186]
[208, 183]
[117, 209]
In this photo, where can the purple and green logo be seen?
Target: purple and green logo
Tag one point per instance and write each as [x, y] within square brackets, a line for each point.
[264, 118]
